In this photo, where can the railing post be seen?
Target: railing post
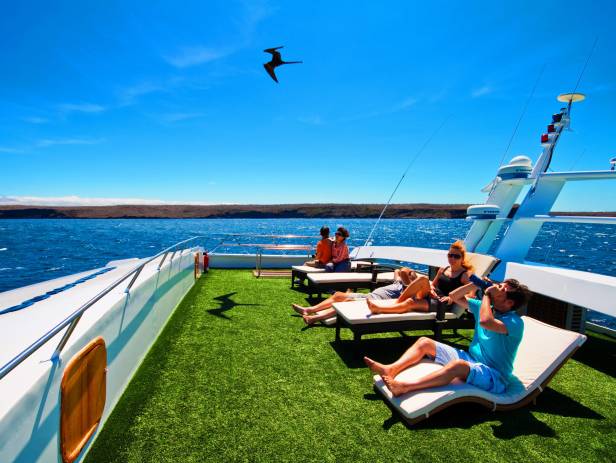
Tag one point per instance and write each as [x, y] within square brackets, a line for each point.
[130, 285]
[64, 340]
[162, 260]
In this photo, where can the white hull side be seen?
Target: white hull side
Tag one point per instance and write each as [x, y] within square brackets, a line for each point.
[30, 420]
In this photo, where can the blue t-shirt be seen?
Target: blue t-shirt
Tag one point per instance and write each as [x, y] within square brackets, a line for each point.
[494, 349]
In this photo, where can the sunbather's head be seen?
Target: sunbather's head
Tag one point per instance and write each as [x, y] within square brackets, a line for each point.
[457, 256]
[324, 232]
[509, 295]
[341, 234]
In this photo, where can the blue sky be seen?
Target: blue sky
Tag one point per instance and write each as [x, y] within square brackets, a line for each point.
[168, 101]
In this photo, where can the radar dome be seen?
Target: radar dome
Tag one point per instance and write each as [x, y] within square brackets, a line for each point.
[520, 160]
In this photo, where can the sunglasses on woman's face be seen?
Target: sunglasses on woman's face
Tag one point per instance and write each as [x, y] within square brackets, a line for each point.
[454, 256]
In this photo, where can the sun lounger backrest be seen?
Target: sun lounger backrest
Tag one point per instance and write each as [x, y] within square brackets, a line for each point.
[433, 257]
[483, 263]
[542, 351]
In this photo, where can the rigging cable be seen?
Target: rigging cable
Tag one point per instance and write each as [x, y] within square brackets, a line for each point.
[585, 64]
[427, 142]
[515, 130]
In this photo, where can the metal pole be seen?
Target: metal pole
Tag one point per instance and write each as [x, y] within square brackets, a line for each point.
[64, 340]
[163, 260]
[130, 285]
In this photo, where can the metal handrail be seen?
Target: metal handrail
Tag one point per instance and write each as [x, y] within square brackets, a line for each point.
[72, 320]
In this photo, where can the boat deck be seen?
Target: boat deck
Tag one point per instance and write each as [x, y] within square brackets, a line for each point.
[235, 376]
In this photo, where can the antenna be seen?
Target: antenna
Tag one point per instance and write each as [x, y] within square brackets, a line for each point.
[402, 178]
[545, 159]
[515, 130]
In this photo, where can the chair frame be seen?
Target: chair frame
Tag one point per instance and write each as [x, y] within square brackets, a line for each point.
[527, 399]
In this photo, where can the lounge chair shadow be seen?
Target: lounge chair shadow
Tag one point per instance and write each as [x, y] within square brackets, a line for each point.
[556, 403]
[515, 423]
[226, 304]
[599, 354]
[386, 350]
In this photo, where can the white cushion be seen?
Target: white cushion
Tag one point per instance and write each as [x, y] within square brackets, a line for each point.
[307, 269]
[349, 277]
[542, 350]
[357, 312]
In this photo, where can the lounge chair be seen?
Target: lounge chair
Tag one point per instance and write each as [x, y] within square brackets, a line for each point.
[299, 273]
[356, 316]
[543, 350]
[321, 282]
[433, 258]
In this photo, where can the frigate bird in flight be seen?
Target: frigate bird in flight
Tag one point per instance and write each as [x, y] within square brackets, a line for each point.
[275, 62]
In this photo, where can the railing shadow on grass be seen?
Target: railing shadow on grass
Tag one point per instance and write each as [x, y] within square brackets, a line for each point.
[515, 423]
[226, 304]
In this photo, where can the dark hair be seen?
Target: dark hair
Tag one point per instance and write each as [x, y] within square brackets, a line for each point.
[343, 232]
[324, 232]
[517, 292]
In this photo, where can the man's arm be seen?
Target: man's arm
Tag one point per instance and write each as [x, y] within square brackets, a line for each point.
[457, 296]
[486, 316]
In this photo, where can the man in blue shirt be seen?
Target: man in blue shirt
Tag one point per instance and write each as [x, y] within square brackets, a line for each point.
[489, 361]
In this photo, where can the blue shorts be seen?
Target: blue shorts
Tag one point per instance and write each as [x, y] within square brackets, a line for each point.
[481, 375]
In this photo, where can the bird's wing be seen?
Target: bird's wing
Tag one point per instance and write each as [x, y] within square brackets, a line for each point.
[270, 71]
[273, 50]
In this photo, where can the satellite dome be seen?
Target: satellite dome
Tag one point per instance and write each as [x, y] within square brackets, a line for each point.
[520, 160]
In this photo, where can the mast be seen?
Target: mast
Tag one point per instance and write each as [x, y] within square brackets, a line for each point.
[535, 208]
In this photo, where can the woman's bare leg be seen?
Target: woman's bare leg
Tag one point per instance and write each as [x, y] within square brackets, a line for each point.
[424, 346]
[456, 369]
[406, 275]
[409, 305]
[418, 288]
[326, 304]
[322, 315]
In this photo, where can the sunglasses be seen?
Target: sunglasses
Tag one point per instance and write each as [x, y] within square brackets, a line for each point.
[454, 256]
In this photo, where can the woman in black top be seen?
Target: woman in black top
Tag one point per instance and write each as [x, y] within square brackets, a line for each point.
[423, 295]
[456, 274]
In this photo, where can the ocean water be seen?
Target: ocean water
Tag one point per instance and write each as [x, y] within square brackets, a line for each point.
[34, 250]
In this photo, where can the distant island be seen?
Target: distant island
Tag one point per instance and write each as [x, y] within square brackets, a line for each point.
[249, 211]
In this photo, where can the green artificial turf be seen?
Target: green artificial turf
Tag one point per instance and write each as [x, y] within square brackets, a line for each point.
[235, 376]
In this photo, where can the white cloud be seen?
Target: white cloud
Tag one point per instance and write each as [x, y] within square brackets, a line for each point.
[35, 120]
[80, 201]
[8, 149]
[251, 14]
[47, 142]
[177, 117]
[81, 108]
[482, 91]
[404, 104]
[192, 56]
[311, 120]
[129, 95]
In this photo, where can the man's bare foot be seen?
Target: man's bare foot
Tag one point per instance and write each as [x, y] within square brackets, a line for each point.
[308, 319]
[299, 309]
[373, 307]
[396, 387]
[376, 367]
